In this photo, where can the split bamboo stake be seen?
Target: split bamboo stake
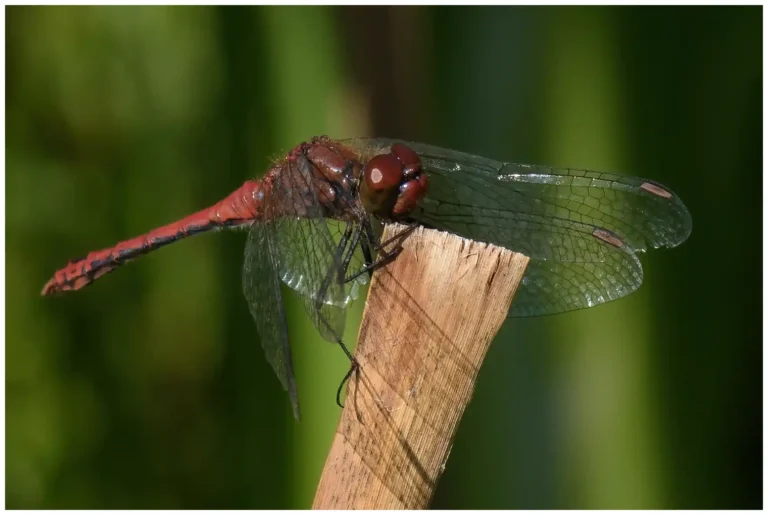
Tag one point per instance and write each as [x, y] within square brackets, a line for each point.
[430, 317]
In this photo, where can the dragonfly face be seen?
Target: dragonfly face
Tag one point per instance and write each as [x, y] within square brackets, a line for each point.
[393, 184]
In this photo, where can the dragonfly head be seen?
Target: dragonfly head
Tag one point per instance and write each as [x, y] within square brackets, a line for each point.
[393, 184]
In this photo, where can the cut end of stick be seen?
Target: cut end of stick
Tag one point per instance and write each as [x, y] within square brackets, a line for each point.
[430, 317]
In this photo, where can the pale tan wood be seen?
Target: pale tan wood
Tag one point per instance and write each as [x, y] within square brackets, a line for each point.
[430, 317]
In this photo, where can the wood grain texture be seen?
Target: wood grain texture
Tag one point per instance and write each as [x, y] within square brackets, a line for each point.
[430, 317]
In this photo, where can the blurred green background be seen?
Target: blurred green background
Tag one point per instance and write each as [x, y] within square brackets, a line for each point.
[149, 388]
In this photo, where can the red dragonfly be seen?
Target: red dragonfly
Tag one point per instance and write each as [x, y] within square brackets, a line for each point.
[314, 224]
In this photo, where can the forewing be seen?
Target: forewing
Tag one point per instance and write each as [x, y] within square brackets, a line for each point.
[261, 286]
[581, 229]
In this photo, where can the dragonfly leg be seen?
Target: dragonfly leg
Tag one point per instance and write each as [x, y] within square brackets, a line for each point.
[367, 255]
[351, 239]
[367, 243]
[383, 260]
[353, 367]
[397, 237]
[386, 255]
[345, 251]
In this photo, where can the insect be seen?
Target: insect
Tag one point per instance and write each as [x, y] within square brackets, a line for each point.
[312, 225]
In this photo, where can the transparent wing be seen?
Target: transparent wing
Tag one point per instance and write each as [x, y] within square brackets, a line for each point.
[581, 229]
[550, 287]
[308, 258]
[261, 287]
[295, 278]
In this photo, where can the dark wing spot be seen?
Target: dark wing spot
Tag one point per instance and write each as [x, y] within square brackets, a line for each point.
[655, 189]
[609, 237]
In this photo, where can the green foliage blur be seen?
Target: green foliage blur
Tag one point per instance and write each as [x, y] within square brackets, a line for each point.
[149, 389]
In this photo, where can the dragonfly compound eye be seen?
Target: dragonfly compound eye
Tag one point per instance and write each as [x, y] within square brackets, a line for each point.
[409, 159]
[382, 177]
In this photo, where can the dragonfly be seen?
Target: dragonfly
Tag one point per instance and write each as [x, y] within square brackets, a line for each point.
[314, 224]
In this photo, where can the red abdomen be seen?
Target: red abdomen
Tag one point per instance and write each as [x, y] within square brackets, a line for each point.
[240, 207]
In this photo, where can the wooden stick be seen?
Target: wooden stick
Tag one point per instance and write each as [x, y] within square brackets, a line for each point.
[430, 317]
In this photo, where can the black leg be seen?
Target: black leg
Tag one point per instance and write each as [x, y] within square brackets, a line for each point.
[367, 255]
[384, 259]
[368, 242]
[353, 241]
[343, 243]
[399, 236]
[386, 256]
[353, 367]
[349, 241]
